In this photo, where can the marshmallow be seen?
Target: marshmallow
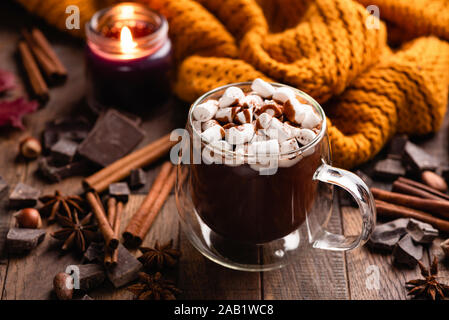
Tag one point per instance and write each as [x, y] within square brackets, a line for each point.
[262, 88]
[227, 114]
[278, 131]
[231, 96]
[208, 124]
[215, 152]
[240, 134]
[268, 148]
[263, 121]
[259, 136]
[244, 116]
[295, 131]
[205, 111]
[213, 133]
[288, 146]
[306, 136]
[251, 100]
[295, 111]
[271, 107]
[283, 94]
[311, 119]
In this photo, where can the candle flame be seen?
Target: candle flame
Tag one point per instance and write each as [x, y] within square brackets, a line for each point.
[126, 40]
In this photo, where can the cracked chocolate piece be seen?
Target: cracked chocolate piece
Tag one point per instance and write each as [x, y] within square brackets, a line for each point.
[63, 151]
[406, 252]
[126, 270]
[4, 188]
[75, 129]
[55, 173]
[91, 276]
[23, 196]
[94, 253]
[389, 169]
[421, 232]
[119, 191]
[137, 179]
[418, 158]
[386, 236]
[19, 240]
[113, 136]
[396, 147]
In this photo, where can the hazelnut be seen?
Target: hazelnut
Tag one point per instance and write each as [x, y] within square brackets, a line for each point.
[30, 148]
[63, 286]
[28, 218]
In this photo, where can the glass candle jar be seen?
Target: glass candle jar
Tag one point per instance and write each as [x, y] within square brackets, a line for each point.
[128, 58]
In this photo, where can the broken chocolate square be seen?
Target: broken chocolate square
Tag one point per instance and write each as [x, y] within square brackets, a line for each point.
[75, 129]
[23, 196]
[389, 169]
[94, 253]
[63, 151]
[4, 188]
[112, 137]
[386, 236]
[406, 252]
[19, 240]
[126, 269]
[120, 191]
[55, 173]
[396, 147]
[91, 276]
[137, 179]
[418, 158]
[421, 232]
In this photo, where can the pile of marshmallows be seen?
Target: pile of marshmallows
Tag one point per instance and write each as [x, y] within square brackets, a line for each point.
[264, 125]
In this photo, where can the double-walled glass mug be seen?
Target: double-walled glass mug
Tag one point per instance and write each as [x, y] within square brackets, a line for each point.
[254, 215]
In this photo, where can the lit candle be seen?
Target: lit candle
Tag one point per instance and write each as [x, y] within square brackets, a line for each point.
[128, 58]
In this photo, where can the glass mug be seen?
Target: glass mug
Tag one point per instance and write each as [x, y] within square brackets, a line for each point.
[244, 219]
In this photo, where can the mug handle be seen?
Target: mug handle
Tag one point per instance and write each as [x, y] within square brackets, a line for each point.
[362, 195]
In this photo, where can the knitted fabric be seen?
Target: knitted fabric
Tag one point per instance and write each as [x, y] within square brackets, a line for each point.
[324, 47]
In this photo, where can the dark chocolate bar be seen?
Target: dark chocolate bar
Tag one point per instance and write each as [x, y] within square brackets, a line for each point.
[418, 158]
[126, 270]
[396, 147]
[406, 252]
[389, 169]
[137, 179]
[55, 173]
[421, 232]
[19, 240]
[120, 191]
[23, 196]
[63, 151]
[386, 236]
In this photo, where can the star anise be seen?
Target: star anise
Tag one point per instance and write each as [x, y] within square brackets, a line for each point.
[61, 204]
[159, 256]
[429, 286]
[75, 232]
[154, 287]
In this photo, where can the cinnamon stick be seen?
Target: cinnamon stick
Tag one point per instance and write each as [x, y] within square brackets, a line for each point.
[112, 206]
[103, 223]
[439, 207]
[133, 230]
[401, 187]
[389, 210]
[424, 187]
[117, 224]
[34, 75]
[122, 167]
[45, 46]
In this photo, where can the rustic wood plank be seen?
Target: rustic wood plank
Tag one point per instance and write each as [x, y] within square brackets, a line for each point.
[318, 274]
[365, 265]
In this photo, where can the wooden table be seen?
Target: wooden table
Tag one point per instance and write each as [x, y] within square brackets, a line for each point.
[317, 275]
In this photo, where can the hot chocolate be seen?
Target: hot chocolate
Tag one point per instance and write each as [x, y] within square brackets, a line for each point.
[255, 183]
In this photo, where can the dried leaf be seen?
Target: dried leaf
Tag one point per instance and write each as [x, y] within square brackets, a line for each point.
[11, 112]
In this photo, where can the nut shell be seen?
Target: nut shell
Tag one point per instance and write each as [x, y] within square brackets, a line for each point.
[28, 218]
[60, 286]
[434, 180]
[30, 148]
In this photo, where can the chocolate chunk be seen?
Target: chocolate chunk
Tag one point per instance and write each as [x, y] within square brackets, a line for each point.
[20, 240]
[63, 151]
[389, 169]
[396, 147]
[120, 191]
[406, 252]
[23, 196]
[418, 158]
[75, 129]
[86, 297]
[94, 253]
[126, 269]
[91, 276]
[112, 137]
[137, 179]
[386, 236]
[421, 232]
[55, 173]
[4, 188]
